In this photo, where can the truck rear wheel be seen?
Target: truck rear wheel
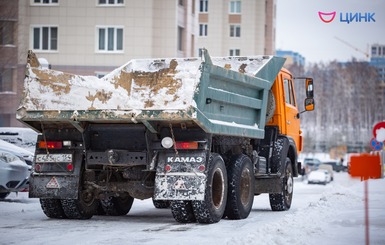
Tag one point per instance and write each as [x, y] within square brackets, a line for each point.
[212, 208]
[240, 195]
[82, 208]
[117, 206]
[182, 211]
[282, 201]
[4, 195]
[52, 208]
[161, 204]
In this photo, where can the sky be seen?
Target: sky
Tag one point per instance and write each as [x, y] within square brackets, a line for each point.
[300, 29]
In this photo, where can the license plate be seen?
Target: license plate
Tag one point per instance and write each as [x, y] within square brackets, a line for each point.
[54, 158]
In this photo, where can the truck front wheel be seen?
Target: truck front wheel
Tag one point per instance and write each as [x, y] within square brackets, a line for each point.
[282, 201]
[240, 195]
[212, 208]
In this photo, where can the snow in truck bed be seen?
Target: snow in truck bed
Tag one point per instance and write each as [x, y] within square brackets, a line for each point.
[148, 84]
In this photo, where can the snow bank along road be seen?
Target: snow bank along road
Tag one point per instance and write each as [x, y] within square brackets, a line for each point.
[331, 214]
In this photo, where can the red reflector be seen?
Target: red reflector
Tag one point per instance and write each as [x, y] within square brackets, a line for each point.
[187, 145]
[70, 167]
[167, 168]
[201, 168]
[37, 167]
[50, 144]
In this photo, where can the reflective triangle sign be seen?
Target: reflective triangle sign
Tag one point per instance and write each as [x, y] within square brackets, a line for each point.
[53, 183]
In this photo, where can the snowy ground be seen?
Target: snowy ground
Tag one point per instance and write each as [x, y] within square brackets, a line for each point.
[331, 214]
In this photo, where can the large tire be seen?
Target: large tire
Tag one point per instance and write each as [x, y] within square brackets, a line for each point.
[52, 208]
[212, 208]
[182, 211]
[117, 206]
[82, 208]
[161, 204]
[241, 183]
[282, 201]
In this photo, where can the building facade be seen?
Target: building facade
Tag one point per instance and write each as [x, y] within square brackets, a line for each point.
[292, 58]
[237, 27]
[11, 74]
[93, 37]
[377, 59]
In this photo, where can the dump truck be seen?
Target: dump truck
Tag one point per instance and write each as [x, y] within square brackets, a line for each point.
[201, 136]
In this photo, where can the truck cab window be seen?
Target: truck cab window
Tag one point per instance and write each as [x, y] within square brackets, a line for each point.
[289, 93]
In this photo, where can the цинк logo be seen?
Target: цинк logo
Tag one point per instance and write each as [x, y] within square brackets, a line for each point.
[327, 17]
[347, 17]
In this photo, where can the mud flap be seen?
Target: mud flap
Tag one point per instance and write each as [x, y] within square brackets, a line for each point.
[180, 177]
[50, 186]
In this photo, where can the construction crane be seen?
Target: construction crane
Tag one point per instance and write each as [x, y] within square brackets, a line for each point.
[353, 47]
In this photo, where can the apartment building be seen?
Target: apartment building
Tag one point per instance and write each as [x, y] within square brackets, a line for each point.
[377, 59]
[237, 27]
[11, 74]
[92, 37]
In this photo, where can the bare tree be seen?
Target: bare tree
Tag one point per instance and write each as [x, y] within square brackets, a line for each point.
[346, 106]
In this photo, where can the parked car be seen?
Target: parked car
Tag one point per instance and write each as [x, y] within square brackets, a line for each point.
[311, 164]
[336, 165]
[18, 151]
[14, 174]
[328, 168]
[23, 137]
[319, 176]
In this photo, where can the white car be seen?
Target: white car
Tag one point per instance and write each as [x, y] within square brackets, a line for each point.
[22, 137]
[14, 174]
[18, 151]
[319, 176]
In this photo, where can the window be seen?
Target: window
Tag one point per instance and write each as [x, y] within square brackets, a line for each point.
[6, 80]
[235, 7]
[6, 33]
[202, 30]
[110, 39]
[203, 6]
[111, 2]
[374, 50]
[235, 52]
[289, 92]
[235, 30]
[180, 38]
[45, 2]
[45, 38]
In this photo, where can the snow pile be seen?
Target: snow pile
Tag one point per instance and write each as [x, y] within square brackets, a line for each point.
[331, 214]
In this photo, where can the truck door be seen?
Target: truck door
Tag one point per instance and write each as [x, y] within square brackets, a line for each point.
[292, 121]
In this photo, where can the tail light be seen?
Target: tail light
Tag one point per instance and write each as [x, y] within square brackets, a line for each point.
[167, 142]
[192, 145]
[50, 144]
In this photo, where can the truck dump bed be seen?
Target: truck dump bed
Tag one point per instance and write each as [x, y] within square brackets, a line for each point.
[221, 95]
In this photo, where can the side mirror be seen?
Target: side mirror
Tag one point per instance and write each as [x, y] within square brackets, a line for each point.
[309, 88]
[309, 104]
